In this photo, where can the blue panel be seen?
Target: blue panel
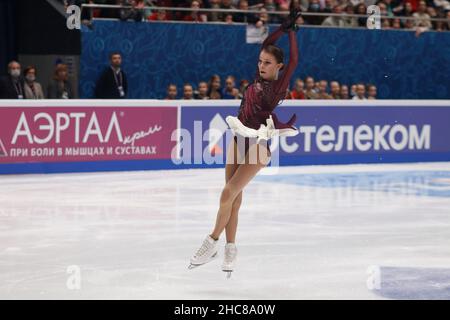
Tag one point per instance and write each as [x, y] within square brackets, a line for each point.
[155, 54]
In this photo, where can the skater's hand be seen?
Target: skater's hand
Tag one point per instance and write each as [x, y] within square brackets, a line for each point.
[290, 23]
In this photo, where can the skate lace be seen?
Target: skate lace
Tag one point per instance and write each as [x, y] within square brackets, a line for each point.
[205, 246]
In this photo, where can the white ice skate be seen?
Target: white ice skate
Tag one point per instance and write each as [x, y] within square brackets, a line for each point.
[206, 253]
[229, 258]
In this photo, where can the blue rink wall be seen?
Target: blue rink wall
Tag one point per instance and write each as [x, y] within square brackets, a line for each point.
[331, 132]
[401, 65]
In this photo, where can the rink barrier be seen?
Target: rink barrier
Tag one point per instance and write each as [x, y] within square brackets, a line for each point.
[51, 136]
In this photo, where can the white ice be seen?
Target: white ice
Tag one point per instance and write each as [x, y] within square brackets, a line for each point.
[310, 232]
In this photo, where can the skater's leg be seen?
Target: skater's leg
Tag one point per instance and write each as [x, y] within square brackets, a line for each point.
[231, 227]
[230, 169]
[208, 248]
[243, 175]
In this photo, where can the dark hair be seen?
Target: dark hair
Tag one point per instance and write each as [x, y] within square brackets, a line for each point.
[214, 77]
[211, 80]
[276, 52]
[27, 69]
[114, 53]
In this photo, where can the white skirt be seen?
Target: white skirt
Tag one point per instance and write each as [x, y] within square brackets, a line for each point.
[265, 132]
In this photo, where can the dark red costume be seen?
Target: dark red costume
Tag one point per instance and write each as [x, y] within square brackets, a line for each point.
[262, 96]
[260, 99]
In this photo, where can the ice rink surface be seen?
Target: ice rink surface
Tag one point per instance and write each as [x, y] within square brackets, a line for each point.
[313, 232]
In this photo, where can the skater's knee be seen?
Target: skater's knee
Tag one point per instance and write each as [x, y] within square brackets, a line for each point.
[228, 195]
[237, 202]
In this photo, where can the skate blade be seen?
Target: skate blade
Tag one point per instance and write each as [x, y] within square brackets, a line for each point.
[228, 273]
[193, 266]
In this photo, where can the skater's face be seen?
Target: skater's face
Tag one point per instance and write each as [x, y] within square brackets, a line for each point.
[268, 66]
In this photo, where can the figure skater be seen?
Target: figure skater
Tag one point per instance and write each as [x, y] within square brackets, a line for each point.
[255, 122]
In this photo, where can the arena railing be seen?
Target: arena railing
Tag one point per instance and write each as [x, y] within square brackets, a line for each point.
[258, 12]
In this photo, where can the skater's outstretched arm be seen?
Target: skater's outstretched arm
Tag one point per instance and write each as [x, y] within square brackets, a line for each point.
[283, 81]
[288, 26]
[273, 37]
